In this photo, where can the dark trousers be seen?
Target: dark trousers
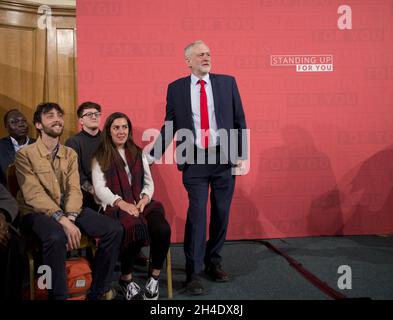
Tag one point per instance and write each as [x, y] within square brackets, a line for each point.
[160, 238]
[197, 179]
[53, 238]
[11, 269]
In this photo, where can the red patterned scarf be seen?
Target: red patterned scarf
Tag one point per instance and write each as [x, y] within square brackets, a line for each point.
[117, 181]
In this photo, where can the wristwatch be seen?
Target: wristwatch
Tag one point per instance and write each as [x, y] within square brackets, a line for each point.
[72, 216]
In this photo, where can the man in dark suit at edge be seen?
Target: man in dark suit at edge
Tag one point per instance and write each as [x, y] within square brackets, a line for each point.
[205, 103]
[16, 124]
[11, 249]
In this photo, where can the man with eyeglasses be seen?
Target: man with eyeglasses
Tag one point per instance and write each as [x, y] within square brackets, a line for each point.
[85, 143]
[16, 124]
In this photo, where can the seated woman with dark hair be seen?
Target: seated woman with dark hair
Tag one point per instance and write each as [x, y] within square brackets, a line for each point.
[124, 186]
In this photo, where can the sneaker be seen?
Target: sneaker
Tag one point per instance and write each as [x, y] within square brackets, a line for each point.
[151, 290]
[130, 290]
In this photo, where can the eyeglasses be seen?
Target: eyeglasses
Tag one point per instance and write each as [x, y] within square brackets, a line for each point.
[91, 114]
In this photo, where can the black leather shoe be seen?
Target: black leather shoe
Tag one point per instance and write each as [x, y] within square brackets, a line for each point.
[216, 273]
[195, 287]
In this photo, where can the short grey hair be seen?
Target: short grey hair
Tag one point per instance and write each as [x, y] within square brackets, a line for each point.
[188, 49]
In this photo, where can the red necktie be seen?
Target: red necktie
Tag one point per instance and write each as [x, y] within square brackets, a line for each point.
[204, 116]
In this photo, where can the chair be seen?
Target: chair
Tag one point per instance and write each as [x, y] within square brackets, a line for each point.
[169, 274]
[32, 246]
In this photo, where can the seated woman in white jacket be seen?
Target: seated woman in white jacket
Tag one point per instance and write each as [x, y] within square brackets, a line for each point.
[124, 186]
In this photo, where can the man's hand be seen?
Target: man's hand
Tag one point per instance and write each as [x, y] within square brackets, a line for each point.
[88, 187]
[91, 190]
[4, 234]
[129, 208]
[72, 232]
[142, 203]
[240, 168]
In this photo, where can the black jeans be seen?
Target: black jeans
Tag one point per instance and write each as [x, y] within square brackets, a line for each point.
[160, 238]
[54, 240]
[11, 269]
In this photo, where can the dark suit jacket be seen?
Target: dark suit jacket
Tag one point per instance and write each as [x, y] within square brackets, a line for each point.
[7, 157]
[8, 204]
[227, 104]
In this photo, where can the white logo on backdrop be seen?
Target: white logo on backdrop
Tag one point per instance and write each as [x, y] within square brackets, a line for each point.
[304, 63]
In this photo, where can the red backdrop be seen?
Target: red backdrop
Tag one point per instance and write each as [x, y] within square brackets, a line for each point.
[321, 142]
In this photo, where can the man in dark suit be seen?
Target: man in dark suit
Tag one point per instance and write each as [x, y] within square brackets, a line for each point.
[199, 106]
[11, 258]
[16, 124]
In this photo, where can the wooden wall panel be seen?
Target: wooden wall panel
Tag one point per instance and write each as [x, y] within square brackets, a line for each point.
[17, 66]
[22, 63]
[37, 65]
[61, 72]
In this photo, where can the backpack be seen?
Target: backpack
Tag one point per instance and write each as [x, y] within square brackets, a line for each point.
[78, 277]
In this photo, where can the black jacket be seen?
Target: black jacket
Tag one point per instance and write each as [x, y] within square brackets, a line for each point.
[7, 156]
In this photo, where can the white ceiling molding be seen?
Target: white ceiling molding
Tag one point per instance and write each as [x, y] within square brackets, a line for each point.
[70, 3]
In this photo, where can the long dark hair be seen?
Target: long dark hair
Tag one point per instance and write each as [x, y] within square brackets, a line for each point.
[106, 151]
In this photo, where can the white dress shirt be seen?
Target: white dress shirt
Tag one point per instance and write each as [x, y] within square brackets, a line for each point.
[18, 146]
[105, 196]
[196, 111]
